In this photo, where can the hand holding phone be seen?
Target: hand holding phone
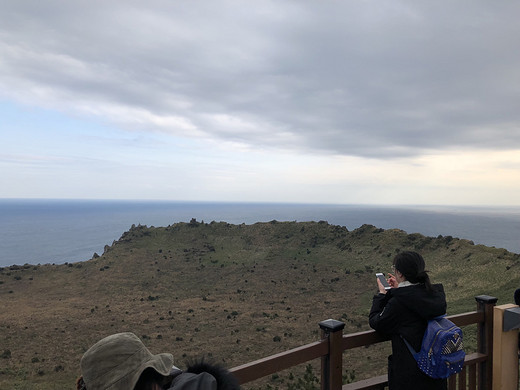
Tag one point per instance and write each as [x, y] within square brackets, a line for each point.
[383, 281]
[392, 281]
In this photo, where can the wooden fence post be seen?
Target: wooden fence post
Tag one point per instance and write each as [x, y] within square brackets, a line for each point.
[332, 363]
[505, 348]
[486, 304]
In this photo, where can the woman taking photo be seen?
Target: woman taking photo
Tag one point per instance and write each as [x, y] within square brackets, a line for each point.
[403, 311]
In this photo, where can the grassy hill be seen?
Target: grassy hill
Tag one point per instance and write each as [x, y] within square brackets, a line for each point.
[232, 293]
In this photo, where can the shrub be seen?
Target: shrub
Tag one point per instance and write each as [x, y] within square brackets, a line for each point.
[308, 382]
[348, 376]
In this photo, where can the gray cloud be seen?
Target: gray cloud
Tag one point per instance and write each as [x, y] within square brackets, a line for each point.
[351, 78]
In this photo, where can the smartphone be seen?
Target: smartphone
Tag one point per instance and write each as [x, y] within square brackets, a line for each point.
[383, 280]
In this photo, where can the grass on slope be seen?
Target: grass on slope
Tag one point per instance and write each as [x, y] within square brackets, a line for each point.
[232, 293]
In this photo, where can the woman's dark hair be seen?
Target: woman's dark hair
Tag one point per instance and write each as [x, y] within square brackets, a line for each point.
[411, 265]
[225, 380]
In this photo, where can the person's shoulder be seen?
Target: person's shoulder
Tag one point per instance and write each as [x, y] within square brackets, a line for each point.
[517, 296]
[418, 290]
[225, 380]
[437, 287]
[191, 381]
[405, 290]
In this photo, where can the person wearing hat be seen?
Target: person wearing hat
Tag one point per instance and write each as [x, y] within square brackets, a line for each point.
[122, 362]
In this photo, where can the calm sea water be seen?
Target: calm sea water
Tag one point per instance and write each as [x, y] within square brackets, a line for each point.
[59, 231]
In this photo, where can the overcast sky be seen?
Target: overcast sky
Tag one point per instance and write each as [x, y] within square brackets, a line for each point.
[373, 102]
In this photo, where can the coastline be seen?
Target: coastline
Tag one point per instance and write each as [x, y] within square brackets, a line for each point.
[57, 231]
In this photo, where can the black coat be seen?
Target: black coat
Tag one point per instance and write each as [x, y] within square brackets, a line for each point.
[404, 311]
[203, 376]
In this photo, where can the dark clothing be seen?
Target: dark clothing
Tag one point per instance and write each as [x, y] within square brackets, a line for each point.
[405, 311]
[225, 380]
[517, 302]
[203, 376]
[188, 381]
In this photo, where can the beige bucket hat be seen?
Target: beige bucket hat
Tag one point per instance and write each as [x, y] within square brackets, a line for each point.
[117, 361]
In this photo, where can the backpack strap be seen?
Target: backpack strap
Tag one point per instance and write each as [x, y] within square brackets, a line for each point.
[410, 348]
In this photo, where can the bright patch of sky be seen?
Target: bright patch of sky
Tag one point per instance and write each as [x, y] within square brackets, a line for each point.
[405, 102]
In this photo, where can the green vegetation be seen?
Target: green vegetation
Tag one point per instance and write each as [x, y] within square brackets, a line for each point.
[231, 293]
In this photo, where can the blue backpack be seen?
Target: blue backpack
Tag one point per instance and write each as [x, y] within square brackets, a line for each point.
[441, 353]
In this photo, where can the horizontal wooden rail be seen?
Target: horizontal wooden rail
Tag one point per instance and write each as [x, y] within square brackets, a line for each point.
[259, 368]
[321, 349]
[360, 339]
[469, 318]
[269, 365]
[375, 383]
[474, 358]
[380, 382]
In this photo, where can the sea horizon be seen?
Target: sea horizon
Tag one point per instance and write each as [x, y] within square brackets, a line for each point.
[42, 231]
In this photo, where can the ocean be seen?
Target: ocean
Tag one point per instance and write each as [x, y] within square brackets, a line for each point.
[59, 231]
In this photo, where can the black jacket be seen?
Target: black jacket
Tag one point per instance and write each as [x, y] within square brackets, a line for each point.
[404, 312]
[203, 376]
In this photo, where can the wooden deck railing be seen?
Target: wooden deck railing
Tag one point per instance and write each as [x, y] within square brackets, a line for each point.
[477, 372]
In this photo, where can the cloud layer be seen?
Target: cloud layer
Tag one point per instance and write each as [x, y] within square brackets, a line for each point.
[367, 79]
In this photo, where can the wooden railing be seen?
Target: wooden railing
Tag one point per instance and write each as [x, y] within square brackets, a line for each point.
[477, 372]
